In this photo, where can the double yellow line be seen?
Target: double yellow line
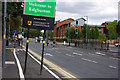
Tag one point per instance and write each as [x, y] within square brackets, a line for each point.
[14, 48]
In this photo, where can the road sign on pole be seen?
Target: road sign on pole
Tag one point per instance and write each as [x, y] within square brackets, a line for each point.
[39, 15]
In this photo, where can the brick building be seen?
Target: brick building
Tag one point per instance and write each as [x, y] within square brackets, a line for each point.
[60, 26]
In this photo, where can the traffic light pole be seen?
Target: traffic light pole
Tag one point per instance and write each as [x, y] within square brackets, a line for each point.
[108, 40]
[4, 36]
[42, 53]
[68, 33]
[9, 32]
[27, 43]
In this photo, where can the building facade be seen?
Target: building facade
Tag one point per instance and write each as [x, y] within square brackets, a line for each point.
[60, 26]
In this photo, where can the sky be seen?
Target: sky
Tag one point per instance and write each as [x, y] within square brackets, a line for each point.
[98, 11]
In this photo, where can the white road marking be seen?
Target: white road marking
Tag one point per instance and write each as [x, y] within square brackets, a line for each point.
[44, 67]
[48, 54]
[113, 67]
[89, 60]
[54, 48]
[113, 58]
[77, 54]
[93, 54]
[98, 53]
[19, 66]
[9, 62]
[57, 51]
[69, 55]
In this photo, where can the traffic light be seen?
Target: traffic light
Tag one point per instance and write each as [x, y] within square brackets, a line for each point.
[76, 23]
[76, 30]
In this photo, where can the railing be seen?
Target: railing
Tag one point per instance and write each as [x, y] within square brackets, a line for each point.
[90, 44]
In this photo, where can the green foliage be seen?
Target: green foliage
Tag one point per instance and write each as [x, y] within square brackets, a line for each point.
[32, 33]
[84, 31]
[70, 33]
[49, 33]
[15, 10]
[112, 29]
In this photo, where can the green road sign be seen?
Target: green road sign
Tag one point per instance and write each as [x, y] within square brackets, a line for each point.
[39, 8]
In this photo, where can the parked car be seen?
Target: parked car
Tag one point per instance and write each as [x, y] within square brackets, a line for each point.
[117, 44]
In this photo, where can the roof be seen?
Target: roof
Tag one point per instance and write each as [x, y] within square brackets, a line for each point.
[80, 18]
[71, 21]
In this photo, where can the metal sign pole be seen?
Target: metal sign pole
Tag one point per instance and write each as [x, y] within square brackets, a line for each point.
[9, 32]
[4, 36]
[27, 43]
[42, 53]
[14, 40]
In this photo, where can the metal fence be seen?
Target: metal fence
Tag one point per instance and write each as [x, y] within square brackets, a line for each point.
[89, 44]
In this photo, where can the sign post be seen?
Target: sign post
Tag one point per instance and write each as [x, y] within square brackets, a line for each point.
[27, 42]
[42, 52]
[38, 14]
[14, 37]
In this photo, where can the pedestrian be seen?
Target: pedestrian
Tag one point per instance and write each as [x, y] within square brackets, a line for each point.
[47, 42]
[53, 43]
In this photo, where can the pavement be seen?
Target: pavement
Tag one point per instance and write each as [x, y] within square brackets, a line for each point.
[15, 66]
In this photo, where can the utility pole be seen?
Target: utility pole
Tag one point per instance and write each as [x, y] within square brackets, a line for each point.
[4, 35]
[69, 33]
[9, 32]
[86, 27]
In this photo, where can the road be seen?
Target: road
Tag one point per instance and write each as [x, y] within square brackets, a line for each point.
[81, 63]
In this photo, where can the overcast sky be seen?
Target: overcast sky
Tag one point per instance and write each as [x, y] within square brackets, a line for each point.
[98, 11]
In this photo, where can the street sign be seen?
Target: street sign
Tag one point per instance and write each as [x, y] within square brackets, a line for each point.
[15, 31]
[44, 8]
[39, 14]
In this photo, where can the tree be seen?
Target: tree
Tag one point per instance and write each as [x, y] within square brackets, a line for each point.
[32, 33]
[70, 33]
[112, 29]
[15, 10]
[84, 29]
[49, 34]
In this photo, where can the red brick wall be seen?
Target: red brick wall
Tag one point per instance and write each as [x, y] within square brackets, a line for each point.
[58, 33]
